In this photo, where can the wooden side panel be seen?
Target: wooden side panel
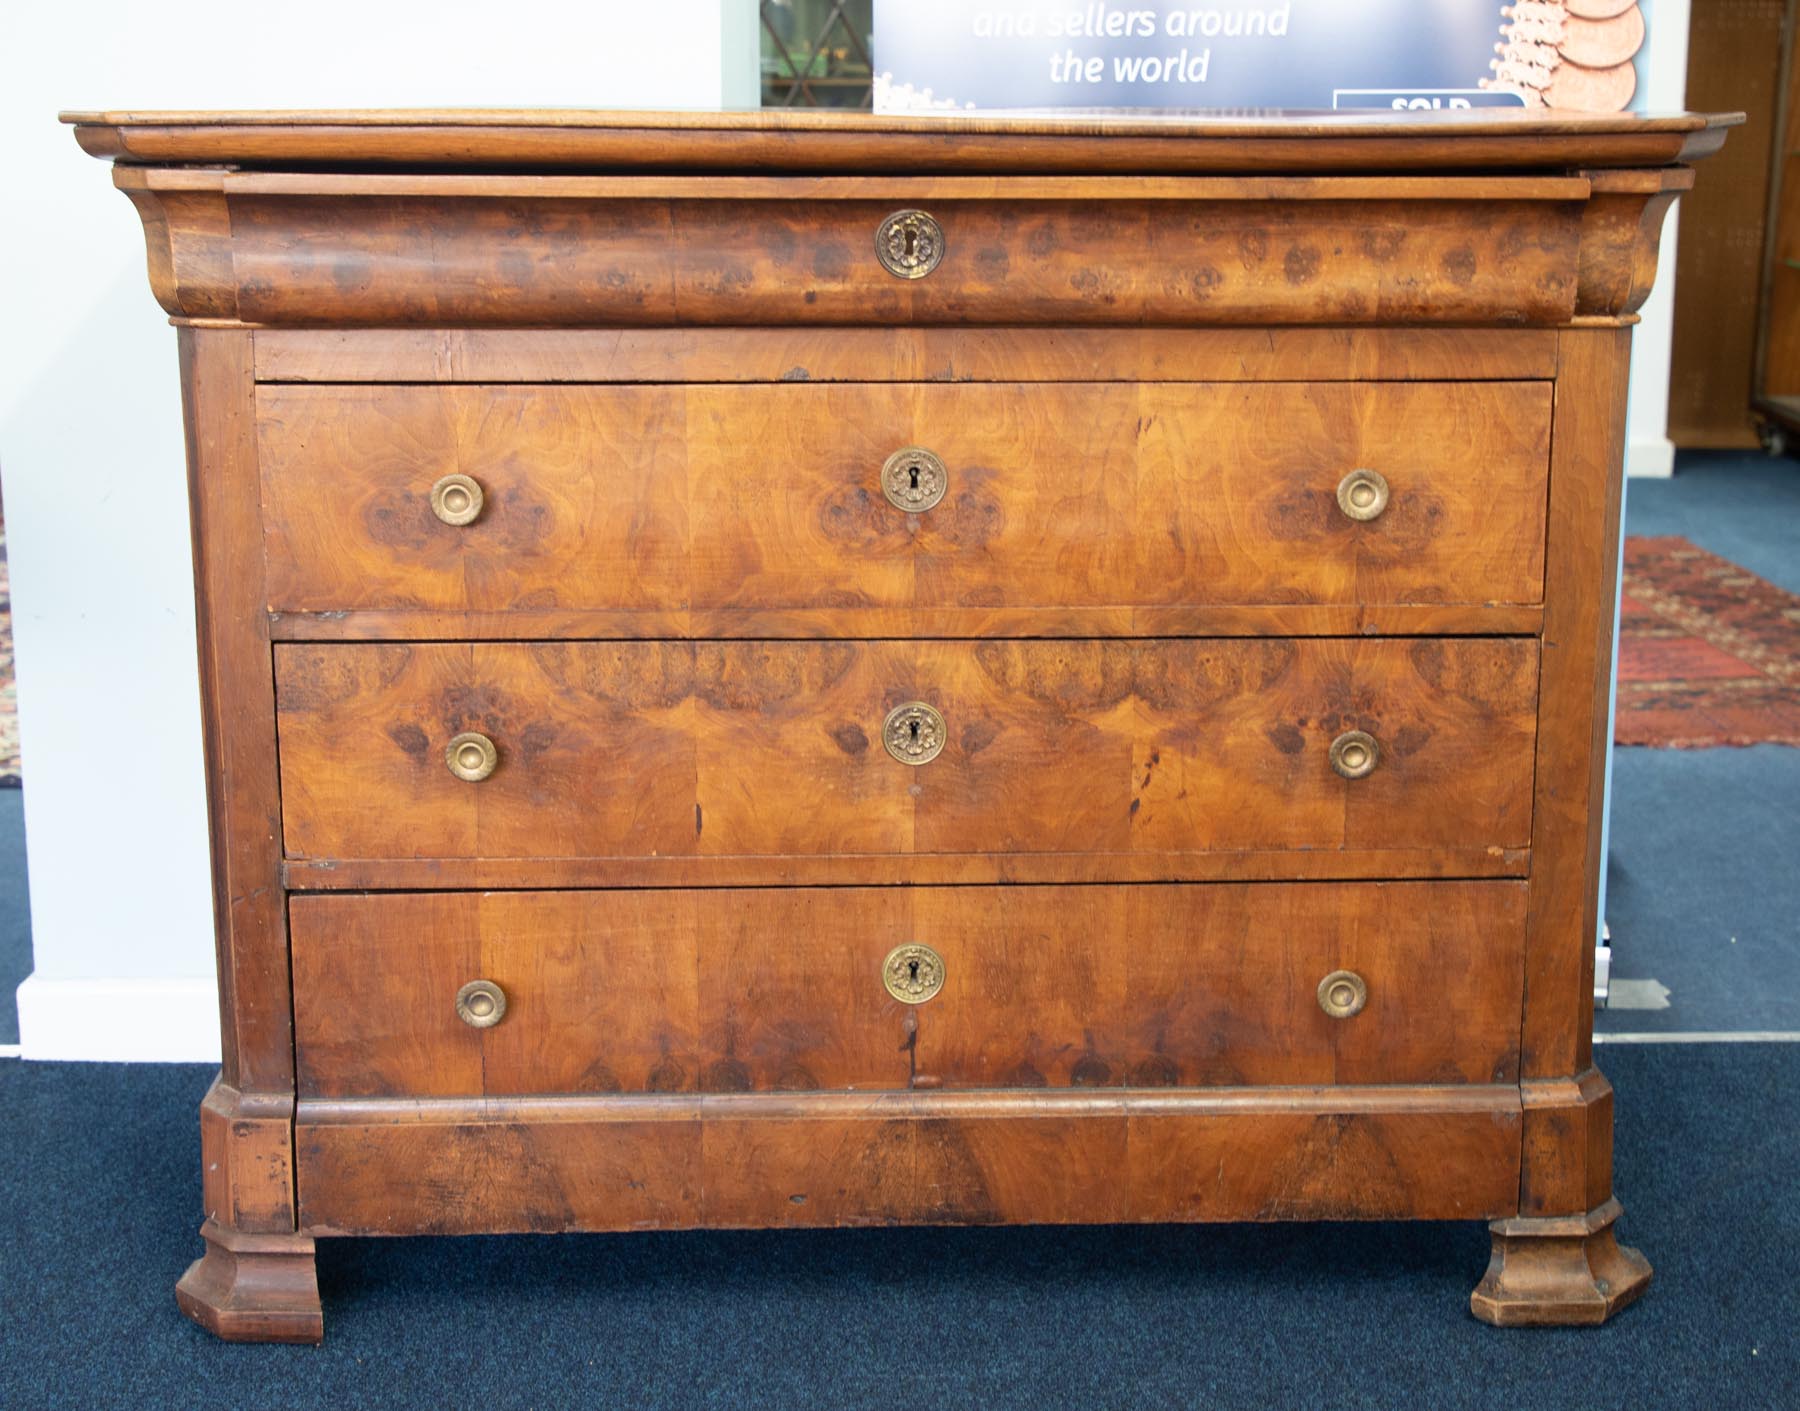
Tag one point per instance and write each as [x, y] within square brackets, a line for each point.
[754, 1161]
[1570, 776]
[667, 504]
[780, 990]
[625, 749]
[237, 708]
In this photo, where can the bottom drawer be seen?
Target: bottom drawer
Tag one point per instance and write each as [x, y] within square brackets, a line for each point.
[732, 991]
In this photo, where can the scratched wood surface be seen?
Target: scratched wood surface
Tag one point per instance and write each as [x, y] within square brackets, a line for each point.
[774, 748]
[780, 989]
[759, 500]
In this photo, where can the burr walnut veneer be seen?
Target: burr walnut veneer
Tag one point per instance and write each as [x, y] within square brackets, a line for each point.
[820, 670]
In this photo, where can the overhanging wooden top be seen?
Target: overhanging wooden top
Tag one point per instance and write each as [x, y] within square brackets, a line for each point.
[776, 141]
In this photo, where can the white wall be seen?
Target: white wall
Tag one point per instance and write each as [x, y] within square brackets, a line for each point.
[91, 442]
[1648, 449]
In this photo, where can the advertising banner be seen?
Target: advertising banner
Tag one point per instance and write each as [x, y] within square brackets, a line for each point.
[1306, 54]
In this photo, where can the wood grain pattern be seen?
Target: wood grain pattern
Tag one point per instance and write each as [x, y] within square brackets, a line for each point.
[237, 711]
[780, 990]
[1587, 473]
[775, 748]
[837, 623]
[765, 501]
[678, 1161]
[332, 874]
[1152, 349]
[1043, 354]
[577, 260]
[1482, 139]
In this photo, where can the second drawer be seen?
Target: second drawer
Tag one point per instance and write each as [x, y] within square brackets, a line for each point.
[783, 989]
[773, 749]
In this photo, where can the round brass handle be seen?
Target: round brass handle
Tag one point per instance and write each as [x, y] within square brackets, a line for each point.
[913, 733]
[1362, 494]
[913, 973]
[913, 479]
[457, 499]
[909, 244]
[1353, 754]
[1343, 993]
[481, 1004]
[471, 756]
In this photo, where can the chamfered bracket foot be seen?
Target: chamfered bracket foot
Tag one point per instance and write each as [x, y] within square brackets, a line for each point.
[1558, 1271]
[251, 1287]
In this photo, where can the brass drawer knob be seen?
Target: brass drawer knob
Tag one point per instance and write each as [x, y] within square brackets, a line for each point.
[913, 733]
[481, 1004]
[471, 756]
[913, 973]
[1362, 494]
[457, 499]
[1353, 754]
[909, 244]
[1343, 993]
[913, 479]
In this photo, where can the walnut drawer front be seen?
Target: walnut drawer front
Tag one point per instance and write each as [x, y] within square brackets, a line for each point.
[745, 502]
[781, 989]
[623, 749]
[1470, 255]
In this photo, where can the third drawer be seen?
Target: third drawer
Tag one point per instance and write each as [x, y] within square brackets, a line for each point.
[819, 749]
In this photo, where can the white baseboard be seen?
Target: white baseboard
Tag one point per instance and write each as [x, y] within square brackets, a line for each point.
[1653, 458]
[119, 1020]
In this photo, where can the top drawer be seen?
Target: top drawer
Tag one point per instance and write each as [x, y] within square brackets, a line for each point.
[902, 509]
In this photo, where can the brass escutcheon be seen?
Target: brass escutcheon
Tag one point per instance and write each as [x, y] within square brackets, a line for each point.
[1362, 494]
[481, 1004]
[913, 479]
[909, 244]
[457, 499]
[1353, 754]
[471, 756]
[1343, 993]
[913, 973]
[913, 733]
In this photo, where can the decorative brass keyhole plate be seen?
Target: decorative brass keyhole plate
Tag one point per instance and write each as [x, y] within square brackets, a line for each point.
[909, 244]
[913, 733]
[914, 479]
[913, 973]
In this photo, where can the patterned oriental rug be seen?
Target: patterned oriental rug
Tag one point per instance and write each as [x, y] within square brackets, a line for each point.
[1708, 653]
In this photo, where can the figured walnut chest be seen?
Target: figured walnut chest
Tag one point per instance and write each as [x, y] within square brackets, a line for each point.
[769, 670]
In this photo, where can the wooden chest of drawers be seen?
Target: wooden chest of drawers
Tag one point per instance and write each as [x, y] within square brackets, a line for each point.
[815, 670]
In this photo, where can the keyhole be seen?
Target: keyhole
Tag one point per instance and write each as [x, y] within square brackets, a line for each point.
[912, 970]
[912, 239]
[913, 726]
[913, 475]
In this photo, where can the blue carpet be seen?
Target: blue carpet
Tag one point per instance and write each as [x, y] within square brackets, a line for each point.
[1741, 506]
[1703, 892]
[99, 1175]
